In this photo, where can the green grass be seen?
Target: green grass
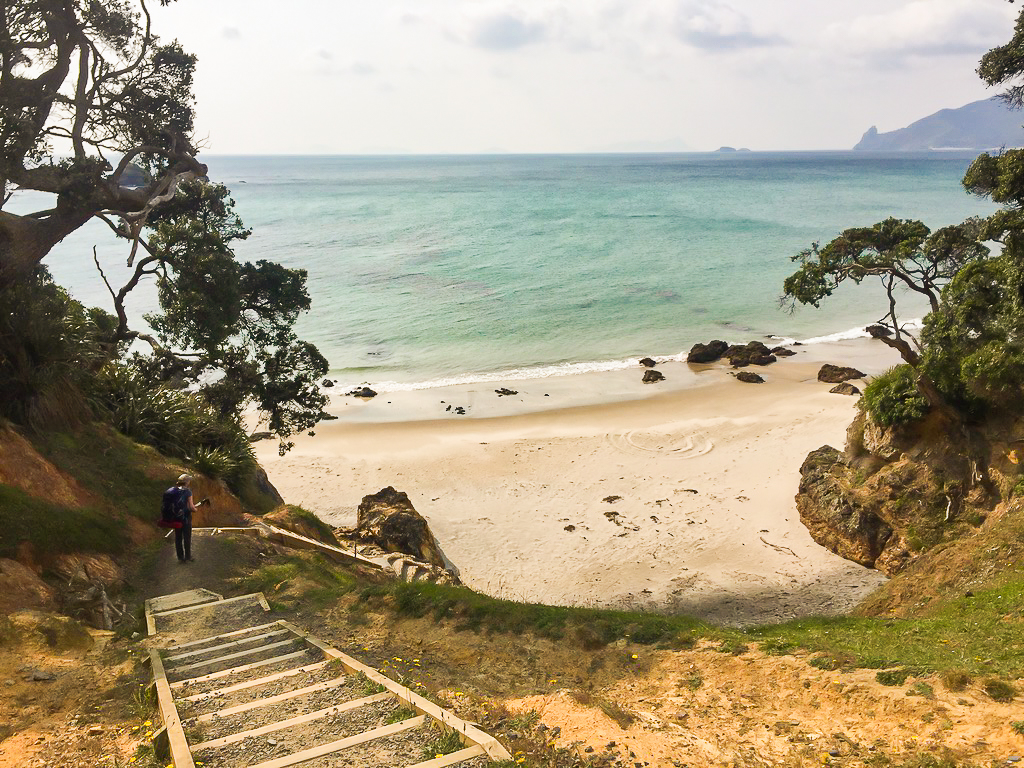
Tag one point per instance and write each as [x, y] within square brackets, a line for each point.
[472, 611]
[980, 635]
[313, 581]
[112, 467]
[52, 529]
[443, 744]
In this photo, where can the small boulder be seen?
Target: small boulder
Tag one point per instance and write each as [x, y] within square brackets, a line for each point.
[362, 392]
[651, 376]
[748, 377]
[707, 353]
[783, 352]
[389, 520]
[836, 374]
[878, 331]
[325, 416]
[648, 362]
[844, 389]
[327, 383]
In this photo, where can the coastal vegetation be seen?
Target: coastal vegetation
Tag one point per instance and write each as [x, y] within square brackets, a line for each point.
[931, 464]
[929, 485]
[98, 125]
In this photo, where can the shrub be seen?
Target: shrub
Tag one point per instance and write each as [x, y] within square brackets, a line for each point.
[921, 689]
[954, 679]
[999, 690]
[174, 421]
[892, 399]
[892, 676]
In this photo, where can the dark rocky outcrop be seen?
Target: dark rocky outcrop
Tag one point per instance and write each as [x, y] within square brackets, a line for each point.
[752, 353]
[388, 520]
[897, 493]
[505, 392]
[783, 352]
[651, 376]
[835, 374]
[748, 377]
[835, 517]
[844, 389]
[707, 353]
[878, 332]
[648, 362]
[327, 383]
[362, 392]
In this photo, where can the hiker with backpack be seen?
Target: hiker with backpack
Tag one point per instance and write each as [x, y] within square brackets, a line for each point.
[176, 512]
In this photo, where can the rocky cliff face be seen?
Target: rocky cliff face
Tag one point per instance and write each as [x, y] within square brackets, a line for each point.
[894, 494]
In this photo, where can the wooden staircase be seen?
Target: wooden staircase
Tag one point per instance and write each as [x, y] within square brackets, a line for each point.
[237, 691]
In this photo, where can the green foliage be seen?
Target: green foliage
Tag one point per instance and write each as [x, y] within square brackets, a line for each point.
[175, 422]
[444, 744]
[1017, 726]
[48, 345]
[400, 714]
[246, 333]
[122, 92]
[125, 476]
[893, 399]
[524, 721]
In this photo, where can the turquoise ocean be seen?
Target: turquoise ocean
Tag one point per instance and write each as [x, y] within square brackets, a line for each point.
[430, 270]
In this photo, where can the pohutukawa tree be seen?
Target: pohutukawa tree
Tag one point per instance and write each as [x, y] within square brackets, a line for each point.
[98, 112]
[903, 256]
[970, 355]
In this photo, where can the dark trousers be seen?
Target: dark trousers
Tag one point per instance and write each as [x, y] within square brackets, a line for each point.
[183, 541]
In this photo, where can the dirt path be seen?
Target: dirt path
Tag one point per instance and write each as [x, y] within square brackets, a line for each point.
[215, 565]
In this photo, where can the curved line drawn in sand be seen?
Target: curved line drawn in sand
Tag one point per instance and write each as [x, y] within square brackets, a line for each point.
[673, 446]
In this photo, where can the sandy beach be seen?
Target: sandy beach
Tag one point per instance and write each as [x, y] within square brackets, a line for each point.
[599, 490]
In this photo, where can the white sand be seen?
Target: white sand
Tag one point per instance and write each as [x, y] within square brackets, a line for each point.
[706, 468]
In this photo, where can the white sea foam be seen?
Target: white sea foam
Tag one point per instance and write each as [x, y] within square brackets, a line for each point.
[530, 373]
[512, 374]
[851, 333]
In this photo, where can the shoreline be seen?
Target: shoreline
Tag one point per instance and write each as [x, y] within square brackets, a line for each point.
[588, 388]
[519, 491]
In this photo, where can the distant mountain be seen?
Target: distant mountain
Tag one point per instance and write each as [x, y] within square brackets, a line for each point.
[986, 124]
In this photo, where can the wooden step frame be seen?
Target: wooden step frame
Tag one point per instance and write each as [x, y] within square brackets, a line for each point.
[476, 742]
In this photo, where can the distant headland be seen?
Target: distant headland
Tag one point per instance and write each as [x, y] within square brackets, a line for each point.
[985, 124]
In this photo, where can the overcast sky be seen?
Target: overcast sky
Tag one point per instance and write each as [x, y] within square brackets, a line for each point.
[439, 76]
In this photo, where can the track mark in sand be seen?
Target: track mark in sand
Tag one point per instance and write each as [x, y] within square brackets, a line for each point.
[674, 446]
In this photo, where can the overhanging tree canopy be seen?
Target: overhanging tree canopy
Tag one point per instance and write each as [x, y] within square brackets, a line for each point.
[88, 97]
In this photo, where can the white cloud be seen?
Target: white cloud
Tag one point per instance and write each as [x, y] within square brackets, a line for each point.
[602, 25]
[924, 28]
[716, 26]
